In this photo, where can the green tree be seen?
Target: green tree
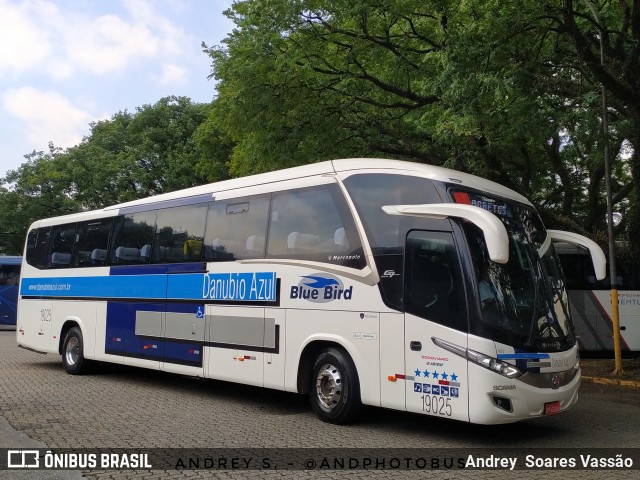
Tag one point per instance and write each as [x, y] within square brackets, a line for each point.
[447, 83]
[158, 149]
[39, 188]
[617, 24]
[495, 88]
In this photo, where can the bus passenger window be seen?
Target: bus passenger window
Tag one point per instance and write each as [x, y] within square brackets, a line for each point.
[131, 234]
[314, 224]
[38, 246]
[61, 246]
[236, 229]
[92, 241]
[371, 191]
[178, 235]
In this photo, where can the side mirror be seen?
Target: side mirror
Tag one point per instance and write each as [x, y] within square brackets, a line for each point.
[597, 255]
[495, 235]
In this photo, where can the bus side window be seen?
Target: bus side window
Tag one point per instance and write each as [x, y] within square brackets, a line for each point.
[92, 241]
[236, 229]
[38, 247]
[314, 224]
[178, 235]
[61, 245]
[371, 191]
[10, 275]
[131, 234]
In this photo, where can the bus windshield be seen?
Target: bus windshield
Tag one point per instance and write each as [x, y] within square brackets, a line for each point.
[523, 302]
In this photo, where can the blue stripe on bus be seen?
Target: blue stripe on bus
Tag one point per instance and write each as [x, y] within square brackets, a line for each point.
[143, 286]
[523, 356]
[123, 270]
[236, 287]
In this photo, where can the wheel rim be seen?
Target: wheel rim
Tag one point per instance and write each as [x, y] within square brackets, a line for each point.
[329, 386]
[72, 351]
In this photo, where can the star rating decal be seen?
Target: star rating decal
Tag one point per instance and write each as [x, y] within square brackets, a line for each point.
[452, 377]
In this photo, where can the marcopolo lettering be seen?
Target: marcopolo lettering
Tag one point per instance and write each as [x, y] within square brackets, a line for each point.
[240, 287]
[321, 288]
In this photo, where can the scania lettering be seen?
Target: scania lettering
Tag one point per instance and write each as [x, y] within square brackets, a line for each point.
[354, 282]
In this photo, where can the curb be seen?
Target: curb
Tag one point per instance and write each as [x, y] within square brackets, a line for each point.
[609, 381]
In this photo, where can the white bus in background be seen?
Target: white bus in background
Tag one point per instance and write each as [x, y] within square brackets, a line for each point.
[590, 302]
[359, 281]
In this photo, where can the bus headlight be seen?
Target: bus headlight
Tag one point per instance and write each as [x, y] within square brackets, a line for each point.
[493, 364]
[490, 363]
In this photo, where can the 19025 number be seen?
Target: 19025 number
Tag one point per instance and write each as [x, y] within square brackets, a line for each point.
[45, 314]
[437, 405]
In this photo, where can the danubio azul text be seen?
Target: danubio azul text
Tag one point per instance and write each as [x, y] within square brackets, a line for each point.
[240, 287]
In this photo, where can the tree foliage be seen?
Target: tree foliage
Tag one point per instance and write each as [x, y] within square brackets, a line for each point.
[605, 36]
[504, 89]
[509, 90]
[39, 189]
[159, 148]
[152, 151]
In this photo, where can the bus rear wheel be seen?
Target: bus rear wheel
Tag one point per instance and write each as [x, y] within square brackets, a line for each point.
[335, 387]
[73, 353]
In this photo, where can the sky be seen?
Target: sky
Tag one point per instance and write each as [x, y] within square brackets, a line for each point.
[67, 63]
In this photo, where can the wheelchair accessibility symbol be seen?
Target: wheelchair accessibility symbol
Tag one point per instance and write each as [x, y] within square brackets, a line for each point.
[200, 312]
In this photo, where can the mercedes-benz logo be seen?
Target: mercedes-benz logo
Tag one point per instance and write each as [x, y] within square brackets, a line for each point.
[555, 382]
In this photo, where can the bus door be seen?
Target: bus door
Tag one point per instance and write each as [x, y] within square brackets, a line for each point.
[134, 327]
[183, 320]
[435, 311]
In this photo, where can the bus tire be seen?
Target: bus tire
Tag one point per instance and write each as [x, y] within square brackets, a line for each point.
[335, 387]
[73, 353]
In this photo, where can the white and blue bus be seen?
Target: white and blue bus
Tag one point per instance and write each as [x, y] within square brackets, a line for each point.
[9, 280]
[358, 281]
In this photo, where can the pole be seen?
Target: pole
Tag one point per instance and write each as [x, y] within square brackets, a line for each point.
[615, 316]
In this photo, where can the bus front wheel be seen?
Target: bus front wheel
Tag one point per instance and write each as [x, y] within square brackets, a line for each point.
[73, 353]
[335, 388]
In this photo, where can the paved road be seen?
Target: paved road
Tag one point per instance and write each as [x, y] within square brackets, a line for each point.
[121, 407]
